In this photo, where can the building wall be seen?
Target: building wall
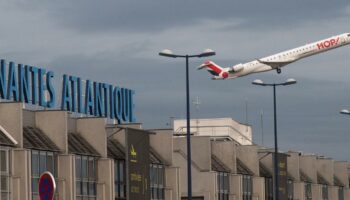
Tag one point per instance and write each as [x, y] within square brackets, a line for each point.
[173, 150]
[341, 168]
[217, 127]
[162, 143]
[309, 166]
[226, 152]
[21, 179]
[293, 165]
[248, 154]
[325, 167]
[11, 118]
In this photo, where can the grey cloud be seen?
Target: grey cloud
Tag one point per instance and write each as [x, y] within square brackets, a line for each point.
[87, 16]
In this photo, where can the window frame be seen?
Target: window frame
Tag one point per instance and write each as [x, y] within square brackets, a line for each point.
[223, 185]
[6, 174]
[157, 181]
[247, 182]
[119, 185]
[83, 182]
[308, 191]
[42, 168]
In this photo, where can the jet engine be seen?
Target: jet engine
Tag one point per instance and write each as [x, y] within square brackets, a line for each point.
[237, 68]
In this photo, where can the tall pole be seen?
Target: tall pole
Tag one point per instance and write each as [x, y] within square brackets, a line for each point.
[189, 171]
[277, 196]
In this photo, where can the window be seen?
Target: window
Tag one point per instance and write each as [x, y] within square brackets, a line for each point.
[157, 181]
[348, 35]
[119, 179]
[341, 193]
[86, 177]
[42, 161]
[324, 192]
[290, 189]
[247, 187]
[4, 174]
[308, 191]
[268, 189]
[223, 185]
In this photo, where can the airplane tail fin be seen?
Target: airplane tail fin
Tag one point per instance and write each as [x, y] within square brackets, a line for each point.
[214, 69]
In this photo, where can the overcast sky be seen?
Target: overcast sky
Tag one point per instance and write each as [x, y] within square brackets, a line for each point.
[118, 42]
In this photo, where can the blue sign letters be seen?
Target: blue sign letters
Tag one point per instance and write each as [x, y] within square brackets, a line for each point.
[30, 84]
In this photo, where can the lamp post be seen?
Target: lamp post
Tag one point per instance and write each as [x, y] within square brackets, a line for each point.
[205, 53]
[276, 171]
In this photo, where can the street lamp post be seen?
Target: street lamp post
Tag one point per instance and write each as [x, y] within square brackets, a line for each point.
[276, 172]
[206, 53]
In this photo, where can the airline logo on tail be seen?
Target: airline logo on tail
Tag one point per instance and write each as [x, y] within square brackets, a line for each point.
[214, 69]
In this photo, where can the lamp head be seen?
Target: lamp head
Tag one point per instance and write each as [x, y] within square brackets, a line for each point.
[290, 81]
[258, 82]
[207, 53]
[167, 53]
[345, 111]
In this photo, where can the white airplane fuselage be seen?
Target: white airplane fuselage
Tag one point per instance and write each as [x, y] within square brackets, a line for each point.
[276, 61]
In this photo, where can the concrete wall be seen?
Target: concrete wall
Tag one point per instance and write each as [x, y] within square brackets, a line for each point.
[204, 182]
[258, 188]
[236, 187]
[316, 191]
[93, 130]
[226, 152]
[217, 127]
[299, 190]
[346, 193]
[172, 183]
[248, 154]
[28, 118]
[11, 119]
[162, 143]
[325, 167]
[293, 165]
[105, 182]
[55, 125]
[66, 177]
[21, 174]
[266, 159]
[308, 166]
[201, 150]
[341, 168]
[333, 192]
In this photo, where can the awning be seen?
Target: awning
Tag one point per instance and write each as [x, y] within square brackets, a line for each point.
[34, 138]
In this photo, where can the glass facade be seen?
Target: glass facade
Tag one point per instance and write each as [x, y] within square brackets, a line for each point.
[324, 192]
[157, 181]
[86, 177]
[290, 189]
[42, 161]
[4, 174]
[308, 191]
[268, 189]
[223, 185]
[119, 179]
[341, 193]
[247, 187]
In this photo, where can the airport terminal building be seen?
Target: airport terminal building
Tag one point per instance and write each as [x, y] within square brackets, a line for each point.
[93, 159]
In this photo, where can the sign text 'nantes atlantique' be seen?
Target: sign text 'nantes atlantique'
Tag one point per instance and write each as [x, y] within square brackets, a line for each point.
[33, 85]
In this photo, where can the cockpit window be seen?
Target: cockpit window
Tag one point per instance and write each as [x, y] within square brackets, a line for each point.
[348, 35]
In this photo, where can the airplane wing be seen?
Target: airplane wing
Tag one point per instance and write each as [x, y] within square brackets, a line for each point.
[275, 64]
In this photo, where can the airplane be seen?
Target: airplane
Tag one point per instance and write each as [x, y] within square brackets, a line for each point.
[276, 61]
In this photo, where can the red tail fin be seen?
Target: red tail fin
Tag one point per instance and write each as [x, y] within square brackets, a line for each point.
[213, 68]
